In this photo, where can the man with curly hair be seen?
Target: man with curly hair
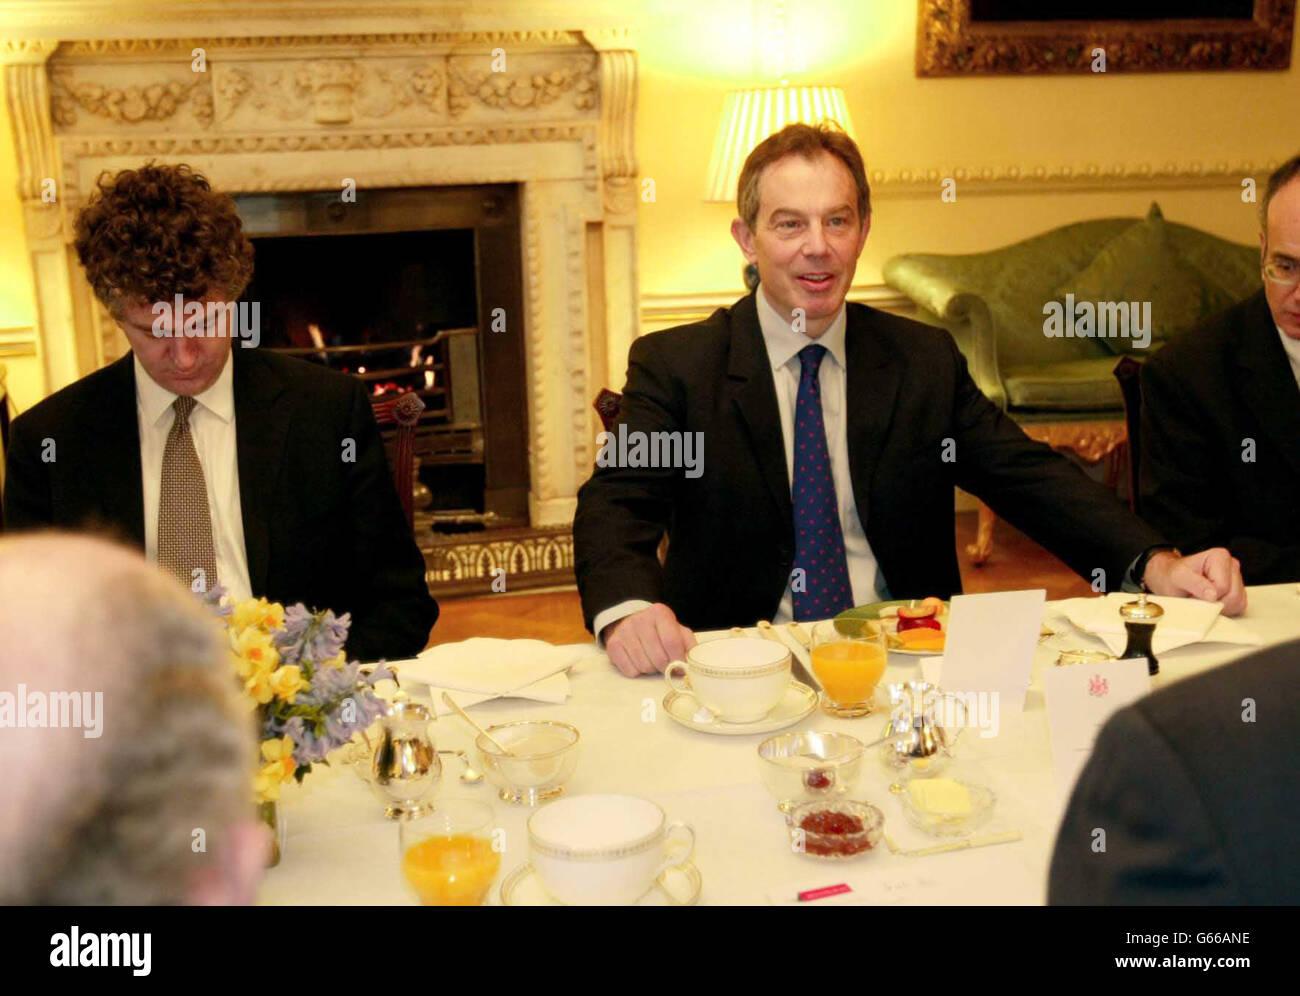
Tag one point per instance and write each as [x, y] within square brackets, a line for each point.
[239, 467]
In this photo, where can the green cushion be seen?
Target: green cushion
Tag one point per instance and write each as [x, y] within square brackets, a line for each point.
[1142, 265]
[1069, 386]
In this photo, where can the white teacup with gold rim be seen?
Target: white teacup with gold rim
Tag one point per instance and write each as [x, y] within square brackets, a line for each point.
[739, 680]
[604, 850]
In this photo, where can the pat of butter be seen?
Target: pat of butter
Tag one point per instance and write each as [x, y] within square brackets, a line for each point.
[942, 796]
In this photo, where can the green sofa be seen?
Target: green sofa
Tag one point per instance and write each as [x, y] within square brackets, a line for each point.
[993, 304]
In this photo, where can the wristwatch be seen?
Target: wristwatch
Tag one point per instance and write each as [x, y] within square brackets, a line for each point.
[1140, 565]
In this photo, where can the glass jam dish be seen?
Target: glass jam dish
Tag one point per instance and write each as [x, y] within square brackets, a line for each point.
[835, 829]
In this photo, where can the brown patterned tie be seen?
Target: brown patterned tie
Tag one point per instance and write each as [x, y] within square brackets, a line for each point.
[184, 520]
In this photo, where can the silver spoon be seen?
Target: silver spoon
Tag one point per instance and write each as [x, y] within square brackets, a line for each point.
[471, 775]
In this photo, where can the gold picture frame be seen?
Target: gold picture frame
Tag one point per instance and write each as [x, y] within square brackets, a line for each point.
[949, 42]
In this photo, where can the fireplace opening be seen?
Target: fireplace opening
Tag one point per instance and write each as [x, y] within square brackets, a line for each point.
[399, 289]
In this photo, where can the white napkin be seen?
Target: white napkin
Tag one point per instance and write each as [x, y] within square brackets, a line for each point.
[1186, 621]
[482, 668]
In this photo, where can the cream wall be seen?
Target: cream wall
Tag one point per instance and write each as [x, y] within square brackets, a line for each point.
[692, 53]
[25, 375]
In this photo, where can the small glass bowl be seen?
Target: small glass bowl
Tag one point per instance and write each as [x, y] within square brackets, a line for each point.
[808, 765]
[836, 846]
[950, 824]
[544, 755]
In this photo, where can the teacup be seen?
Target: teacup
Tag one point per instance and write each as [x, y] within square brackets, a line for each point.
[739, 680]
[604, 850]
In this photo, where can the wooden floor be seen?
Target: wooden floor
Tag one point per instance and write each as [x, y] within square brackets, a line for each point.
[555, 616]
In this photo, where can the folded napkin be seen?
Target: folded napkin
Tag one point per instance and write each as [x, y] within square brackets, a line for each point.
[482, 668]
[1186, 621]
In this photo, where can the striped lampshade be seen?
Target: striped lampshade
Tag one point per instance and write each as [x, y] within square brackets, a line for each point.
[749, 116]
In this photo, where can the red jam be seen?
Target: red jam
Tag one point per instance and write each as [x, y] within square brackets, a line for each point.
[829, 832]
[829, 822]
[818, 779]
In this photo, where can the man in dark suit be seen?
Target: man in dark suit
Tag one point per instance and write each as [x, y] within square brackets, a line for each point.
[831, 437]
[265, 471]
[1221, 413]
[1195, 790]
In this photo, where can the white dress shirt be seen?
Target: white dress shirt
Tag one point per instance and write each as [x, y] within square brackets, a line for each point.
[783, 345]
[212, 424]
[1292, 347]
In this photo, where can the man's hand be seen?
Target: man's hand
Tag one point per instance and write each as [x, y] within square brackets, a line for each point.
[1212, 575]
[645, 641]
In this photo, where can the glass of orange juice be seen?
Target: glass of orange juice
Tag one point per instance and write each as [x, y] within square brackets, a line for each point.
[849, 666]
[449, 857]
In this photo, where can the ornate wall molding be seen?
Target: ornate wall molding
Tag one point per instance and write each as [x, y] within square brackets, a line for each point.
[425, 42]
[1042, 178]
[152, 102]
[949, 42]
[17, 341]
[521, 91]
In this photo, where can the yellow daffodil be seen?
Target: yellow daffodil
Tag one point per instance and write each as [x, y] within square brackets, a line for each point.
[257, 654]
[279, 767]
[257, 612]
[287, 682]
[258, 687]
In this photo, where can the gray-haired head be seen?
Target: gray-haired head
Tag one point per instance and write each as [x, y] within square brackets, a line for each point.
[137, 787]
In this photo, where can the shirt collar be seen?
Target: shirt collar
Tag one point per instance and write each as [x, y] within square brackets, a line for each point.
[1292, 347]
[153, 399]
[784, 343]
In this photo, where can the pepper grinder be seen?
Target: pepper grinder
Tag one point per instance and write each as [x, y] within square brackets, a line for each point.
[1140, 619]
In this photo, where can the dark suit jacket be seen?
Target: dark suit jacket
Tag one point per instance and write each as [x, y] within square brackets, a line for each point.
[317, 529]
[1199, 807]
[731, 531]
[1203, 396]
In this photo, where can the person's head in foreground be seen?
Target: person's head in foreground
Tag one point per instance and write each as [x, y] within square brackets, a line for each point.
[149, 235]
[1279, 243]
[805, 210]
[138, 792]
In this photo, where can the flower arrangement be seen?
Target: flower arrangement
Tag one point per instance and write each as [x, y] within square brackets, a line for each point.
[309, 699]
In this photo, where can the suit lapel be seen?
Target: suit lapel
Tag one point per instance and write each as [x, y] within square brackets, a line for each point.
[754, 393]
[873, 379]
[261, 427]
[115, 459]
[1270, 387]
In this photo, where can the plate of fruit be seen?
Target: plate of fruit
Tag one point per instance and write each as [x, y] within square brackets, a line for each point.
[912, 626]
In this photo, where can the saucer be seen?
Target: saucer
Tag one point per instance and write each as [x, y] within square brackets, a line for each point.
[677, 886]
[799, 700]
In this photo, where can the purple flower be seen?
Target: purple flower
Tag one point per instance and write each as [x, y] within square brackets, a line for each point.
[311, 637]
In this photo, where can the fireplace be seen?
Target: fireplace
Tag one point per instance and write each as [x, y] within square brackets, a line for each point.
[403, 289]
[531, 126]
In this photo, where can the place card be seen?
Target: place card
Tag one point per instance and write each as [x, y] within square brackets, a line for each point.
[991, 642]
[1080, 698]
[942, 880]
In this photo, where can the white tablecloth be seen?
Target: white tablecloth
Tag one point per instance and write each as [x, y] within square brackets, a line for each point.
[340, 850]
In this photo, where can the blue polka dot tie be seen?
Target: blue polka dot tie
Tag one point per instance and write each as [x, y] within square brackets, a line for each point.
[818, 540]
